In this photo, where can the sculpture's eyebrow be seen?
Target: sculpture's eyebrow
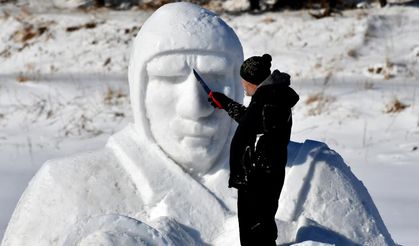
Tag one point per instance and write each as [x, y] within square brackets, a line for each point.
[169, 65]
[213, 64]
[179, 64]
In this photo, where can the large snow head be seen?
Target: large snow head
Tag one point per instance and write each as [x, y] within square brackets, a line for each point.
[169, 105]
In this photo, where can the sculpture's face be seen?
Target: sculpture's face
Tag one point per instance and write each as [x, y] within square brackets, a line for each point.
[182, 121]
[169, 106]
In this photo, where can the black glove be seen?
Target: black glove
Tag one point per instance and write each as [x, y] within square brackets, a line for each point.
[221, 98]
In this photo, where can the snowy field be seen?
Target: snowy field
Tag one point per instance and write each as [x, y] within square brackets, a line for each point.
[64, 89]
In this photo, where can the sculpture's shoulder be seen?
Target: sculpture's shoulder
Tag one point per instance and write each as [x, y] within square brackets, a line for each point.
[80, 161]
[67, 190]
[83, 167]
[80, 173]
[320, 191]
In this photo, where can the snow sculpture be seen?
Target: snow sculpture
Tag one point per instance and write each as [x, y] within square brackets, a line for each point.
[168, 170]
[163, 180]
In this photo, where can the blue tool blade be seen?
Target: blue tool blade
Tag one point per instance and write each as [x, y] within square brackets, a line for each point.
[202, 82]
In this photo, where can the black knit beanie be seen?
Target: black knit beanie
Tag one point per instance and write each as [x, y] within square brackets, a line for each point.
[256, 69]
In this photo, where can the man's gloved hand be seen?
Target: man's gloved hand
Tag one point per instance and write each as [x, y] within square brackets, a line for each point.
[221, 98]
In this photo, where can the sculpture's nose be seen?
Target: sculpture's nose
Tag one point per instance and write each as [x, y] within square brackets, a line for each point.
[193, 103]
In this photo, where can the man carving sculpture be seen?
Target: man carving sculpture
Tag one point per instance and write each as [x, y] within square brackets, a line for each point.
[258, 153]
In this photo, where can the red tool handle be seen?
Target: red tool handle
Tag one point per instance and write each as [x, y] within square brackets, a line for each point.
[215, 100]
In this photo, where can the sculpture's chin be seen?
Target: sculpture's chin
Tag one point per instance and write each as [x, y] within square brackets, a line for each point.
[195, 142]
[199, 166]
[196, 155]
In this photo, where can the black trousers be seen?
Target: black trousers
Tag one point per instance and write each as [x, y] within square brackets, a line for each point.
[256, 208]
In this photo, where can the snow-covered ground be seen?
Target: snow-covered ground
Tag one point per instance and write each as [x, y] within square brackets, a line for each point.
[64, 89]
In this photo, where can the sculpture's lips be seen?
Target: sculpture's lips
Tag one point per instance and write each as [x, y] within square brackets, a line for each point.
[193, 129]
[194, 141]
[196, 136]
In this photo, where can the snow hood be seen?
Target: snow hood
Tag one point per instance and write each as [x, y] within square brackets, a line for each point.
[275, 89]
[178, 28]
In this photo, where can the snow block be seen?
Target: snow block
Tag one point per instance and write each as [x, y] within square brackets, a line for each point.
[326, 202]
[94, 198]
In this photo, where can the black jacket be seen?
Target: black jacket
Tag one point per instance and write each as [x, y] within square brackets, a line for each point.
[259, 145]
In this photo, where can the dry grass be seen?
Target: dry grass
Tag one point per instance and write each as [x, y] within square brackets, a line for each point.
[114, 97]
[353, 53]
[7, 1]
[28, 32]
[89, 25]
[6, 53]
[319, 103]
[79, 125]
[385, 70]
[22, 78]
[153, 5]
[314, 98]
[132, 30]
[107, 62]
[396, 106]
[268, 20]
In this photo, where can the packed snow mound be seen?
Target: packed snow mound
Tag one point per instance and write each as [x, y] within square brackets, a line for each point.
[82, 203]
[330, 204]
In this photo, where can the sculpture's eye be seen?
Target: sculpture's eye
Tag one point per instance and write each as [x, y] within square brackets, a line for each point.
[170, 68]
